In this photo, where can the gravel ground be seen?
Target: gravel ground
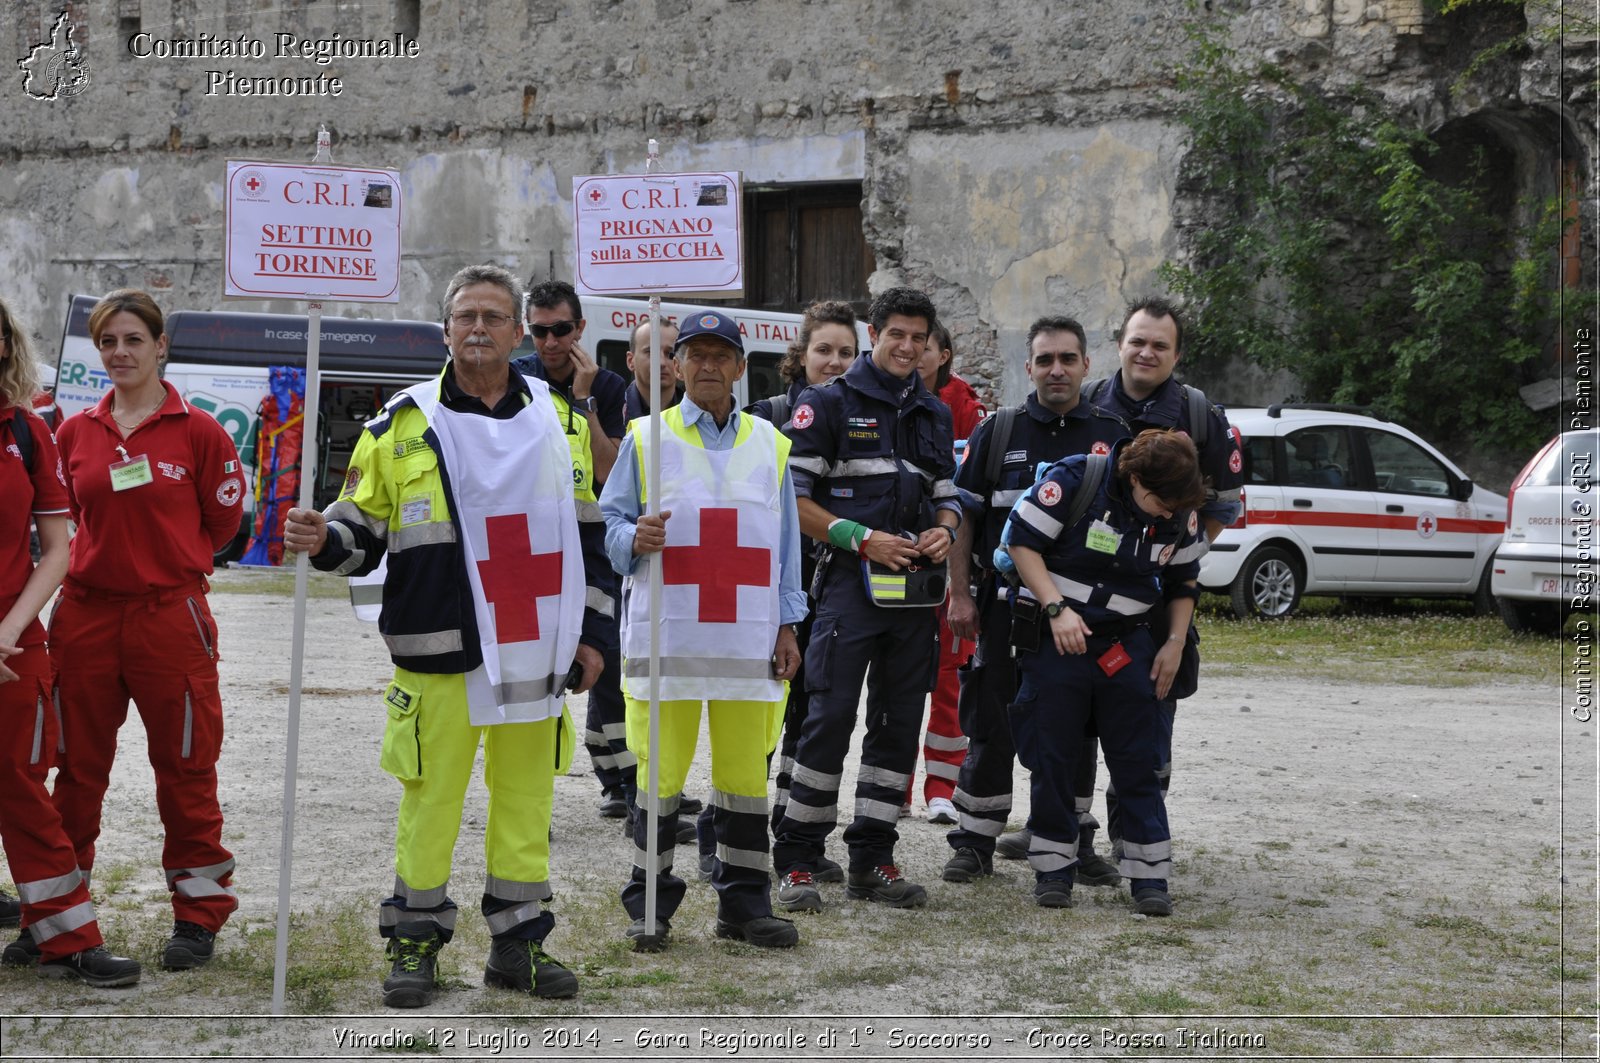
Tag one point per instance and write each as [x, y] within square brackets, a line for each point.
[1364, 870]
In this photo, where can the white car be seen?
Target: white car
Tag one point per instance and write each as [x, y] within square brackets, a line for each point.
[1545, 568]
[1342, 503]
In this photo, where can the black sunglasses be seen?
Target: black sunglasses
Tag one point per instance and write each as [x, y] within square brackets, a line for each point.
[560, 328]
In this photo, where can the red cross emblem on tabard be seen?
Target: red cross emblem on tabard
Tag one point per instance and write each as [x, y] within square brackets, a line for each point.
[719, 566]
[515, 578]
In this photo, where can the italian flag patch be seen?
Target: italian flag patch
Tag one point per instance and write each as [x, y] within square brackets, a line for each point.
[230, 466]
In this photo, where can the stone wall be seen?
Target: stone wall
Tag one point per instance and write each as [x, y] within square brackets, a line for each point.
[1016, 158]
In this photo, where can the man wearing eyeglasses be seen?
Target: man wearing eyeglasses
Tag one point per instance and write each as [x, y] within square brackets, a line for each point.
[462, 482]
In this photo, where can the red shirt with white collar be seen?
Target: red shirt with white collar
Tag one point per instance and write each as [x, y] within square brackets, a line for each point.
[158, 535]
[39, 492]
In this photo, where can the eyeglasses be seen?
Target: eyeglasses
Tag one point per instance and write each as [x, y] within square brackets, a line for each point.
[560, 328]
[468, 318]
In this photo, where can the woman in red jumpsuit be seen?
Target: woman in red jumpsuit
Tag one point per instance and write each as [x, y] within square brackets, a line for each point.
[61, 934]
[943, 744]
[155, 487]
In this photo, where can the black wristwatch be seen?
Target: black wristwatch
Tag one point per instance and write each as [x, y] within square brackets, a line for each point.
[590, 404]
[1053, 610]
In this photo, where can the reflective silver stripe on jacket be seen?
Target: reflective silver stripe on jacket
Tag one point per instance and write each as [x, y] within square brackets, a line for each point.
[424, 644]
[347, 541]
[1080, 592]
[430, 534]
[1006, 499]
[1193, 552]
[351, 513]
[814, 466]
[1037, 519]
[863, 467]
[943, 489]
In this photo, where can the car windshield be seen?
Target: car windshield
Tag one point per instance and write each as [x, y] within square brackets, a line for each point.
[1570, 463]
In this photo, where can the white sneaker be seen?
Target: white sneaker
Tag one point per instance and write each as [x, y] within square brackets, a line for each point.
[941, 810]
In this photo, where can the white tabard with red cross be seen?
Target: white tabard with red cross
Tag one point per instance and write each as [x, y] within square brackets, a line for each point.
[719, 597]
[512, 485]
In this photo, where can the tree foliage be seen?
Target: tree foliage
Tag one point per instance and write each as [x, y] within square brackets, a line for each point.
[1323, 245]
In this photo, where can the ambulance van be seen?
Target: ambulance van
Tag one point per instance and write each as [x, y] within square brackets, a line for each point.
[219, 360]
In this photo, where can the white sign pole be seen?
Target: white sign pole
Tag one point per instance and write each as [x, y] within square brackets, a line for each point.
[653, 507]
[302, 567]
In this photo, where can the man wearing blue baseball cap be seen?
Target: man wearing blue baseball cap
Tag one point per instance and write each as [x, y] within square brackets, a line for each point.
[727, 539]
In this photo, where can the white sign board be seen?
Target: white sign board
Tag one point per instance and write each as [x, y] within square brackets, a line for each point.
[660, 233]
[312, 232]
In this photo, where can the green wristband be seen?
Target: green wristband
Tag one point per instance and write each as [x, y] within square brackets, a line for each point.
[844, 533]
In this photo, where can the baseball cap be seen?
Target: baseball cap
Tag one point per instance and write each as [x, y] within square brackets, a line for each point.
[711, 323]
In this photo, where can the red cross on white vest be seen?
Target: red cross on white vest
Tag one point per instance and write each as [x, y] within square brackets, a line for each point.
[515, 578]
[719, 565]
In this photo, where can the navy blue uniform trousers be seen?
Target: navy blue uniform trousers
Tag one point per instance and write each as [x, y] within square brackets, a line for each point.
[1058, 698]
[896, 652]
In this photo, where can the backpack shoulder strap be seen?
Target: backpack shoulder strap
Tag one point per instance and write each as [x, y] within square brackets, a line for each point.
[1005, 419]
[1199, 415]
[23, 434]
[1094, 474]
[780, 409]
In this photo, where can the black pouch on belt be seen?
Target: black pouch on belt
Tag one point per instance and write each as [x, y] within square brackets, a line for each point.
[1025, 624]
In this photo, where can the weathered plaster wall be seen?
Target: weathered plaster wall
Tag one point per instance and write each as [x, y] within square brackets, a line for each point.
[1016, 158]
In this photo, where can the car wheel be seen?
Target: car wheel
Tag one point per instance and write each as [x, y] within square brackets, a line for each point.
[1268, 585]
[1483, 599]
[1534, 618]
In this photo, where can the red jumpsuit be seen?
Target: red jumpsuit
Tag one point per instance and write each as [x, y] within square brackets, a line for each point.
[943, 745]
[133, 622]
[54, 893]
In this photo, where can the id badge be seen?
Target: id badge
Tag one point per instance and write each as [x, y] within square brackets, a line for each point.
[1112, 661]
[1102, 538]
[130, 473]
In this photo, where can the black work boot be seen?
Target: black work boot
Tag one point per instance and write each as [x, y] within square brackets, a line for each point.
[1094, 869]
[10, 910]
[23, 952]
[967, 865]
[413, 976]
[93, 967]
[189, 947]
[523, 965]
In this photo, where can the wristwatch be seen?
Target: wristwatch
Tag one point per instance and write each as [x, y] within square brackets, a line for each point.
[1053, 610]
[590, 404]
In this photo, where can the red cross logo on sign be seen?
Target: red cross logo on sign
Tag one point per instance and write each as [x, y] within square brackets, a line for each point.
[253, 185]
[596, 196]
[1427, 525]
[719, 566]
[515, 578]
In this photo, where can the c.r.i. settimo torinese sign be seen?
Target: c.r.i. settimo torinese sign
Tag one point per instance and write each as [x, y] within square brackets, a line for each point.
[320, 51]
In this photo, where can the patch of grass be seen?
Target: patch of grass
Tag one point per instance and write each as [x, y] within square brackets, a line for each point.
[1451, 922]
[1412, 641]
[1160, 1002]
[277, 581]
[1311, 902]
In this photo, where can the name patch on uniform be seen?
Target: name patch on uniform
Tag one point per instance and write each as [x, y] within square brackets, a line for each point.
[416, 510]
[171, 471]
[862, 422]
[410, 446]
[843, 492]
[857, 434]
[1015, 455]
[400, 699]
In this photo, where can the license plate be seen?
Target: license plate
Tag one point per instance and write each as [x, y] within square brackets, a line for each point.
[1569, 586]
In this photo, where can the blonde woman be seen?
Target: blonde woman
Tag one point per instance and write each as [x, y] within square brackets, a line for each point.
[61, 934]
